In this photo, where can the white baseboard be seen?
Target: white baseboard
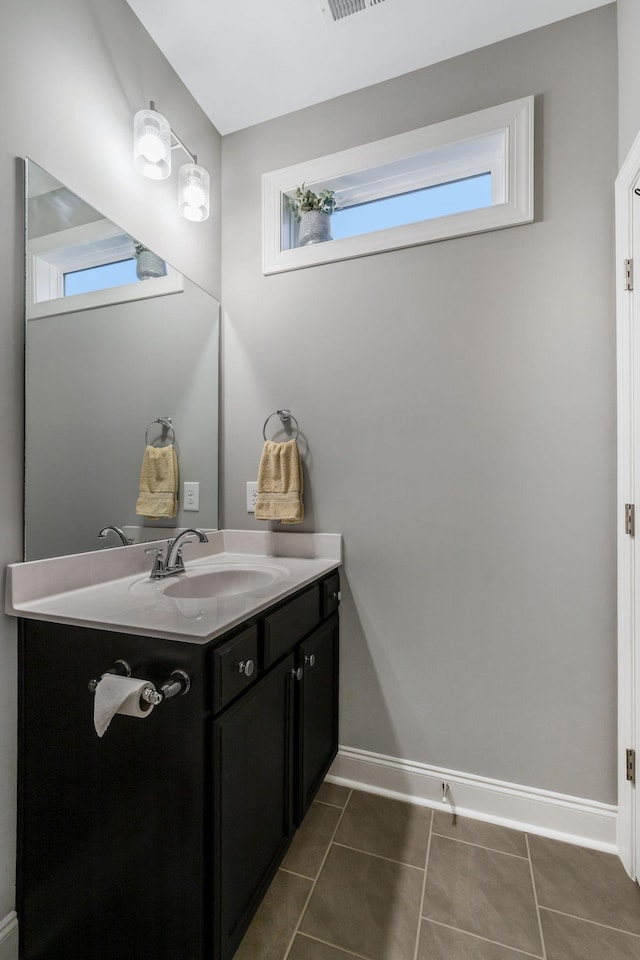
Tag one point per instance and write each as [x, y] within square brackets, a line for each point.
[9, 937]
[588, 823]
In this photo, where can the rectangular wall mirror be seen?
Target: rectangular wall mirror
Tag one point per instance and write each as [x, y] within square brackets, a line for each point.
[116, 340]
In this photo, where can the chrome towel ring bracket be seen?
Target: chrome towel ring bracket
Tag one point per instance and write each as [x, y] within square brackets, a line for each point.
[166, 425]
[286, 417]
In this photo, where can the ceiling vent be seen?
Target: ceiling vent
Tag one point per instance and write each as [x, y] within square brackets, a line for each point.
[333, 10]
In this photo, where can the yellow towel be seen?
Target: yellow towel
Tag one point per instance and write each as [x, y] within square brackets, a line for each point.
[280, 483]
[158, 483]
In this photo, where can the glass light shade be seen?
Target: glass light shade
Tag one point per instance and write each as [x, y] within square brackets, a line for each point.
[152, 144]
[193, 192]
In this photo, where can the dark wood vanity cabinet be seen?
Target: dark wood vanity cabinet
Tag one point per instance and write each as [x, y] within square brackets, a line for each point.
[161, 838]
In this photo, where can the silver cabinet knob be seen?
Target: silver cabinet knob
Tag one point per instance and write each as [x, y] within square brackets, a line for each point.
[247, 667]
[337, 595]
[310, 659]
[297, 674]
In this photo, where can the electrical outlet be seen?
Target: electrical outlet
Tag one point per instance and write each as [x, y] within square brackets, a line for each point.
[191, 500]
[252, 495]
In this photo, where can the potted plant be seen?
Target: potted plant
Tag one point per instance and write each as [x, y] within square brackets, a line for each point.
[313, 212]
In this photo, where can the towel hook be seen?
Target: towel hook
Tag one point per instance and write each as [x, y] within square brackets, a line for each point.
[166, 422]
[285, 417]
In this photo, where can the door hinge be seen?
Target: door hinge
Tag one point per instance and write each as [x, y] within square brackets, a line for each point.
[630, 519]
[631, 766]
[628, 274]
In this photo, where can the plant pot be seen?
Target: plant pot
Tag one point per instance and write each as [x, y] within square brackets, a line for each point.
[149, 265]
[315, 227]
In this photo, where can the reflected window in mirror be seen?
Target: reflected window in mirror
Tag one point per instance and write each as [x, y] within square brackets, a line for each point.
[95, 263]
[106, 275]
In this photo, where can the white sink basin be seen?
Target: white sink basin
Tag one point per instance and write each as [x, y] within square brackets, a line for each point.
[219, 583]
[212, 581]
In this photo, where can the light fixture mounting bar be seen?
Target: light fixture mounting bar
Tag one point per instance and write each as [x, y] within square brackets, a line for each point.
[178, 141]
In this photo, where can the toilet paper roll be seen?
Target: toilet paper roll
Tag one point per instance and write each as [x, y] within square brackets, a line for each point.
[123, 695]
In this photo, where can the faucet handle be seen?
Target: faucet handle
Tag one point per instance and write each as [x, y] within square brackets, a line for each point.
[178, 566]
[158, 563]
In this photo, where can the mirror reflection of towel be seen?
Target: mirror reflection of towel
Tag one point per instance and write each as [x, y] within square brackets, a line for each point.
[280, 483]
[158, 495]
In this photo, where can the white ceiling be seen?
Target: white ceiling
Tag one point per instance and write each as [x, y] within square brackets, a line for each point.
[246, 61]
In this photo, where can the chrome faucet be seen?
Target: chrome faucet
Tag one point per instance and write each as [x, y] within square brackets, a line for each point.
[173, 562]
[103, 535]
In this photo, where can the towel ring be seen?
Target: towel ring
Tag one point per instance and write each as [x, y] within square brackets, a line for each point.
[166, 423]
[285, 417]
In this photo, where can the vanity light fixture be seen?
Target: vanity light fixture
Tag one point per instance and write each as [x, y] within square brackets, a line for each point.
[153, 141]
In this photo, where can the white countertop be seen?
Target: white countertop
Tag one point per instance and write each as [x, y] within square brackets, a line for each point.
[111, 590]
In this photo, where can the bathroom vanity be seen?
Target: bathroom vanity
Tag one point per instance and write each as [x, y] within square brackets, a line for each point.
[160, 838]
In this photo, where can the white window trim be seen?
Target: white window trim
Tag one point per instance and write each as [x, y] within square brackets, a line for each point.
[92, 244]
[513, 194]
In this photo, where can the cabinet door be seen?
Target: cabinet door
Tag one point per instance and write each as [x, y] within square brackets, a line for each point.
[317, 742]
[110, 830]
[252, 800]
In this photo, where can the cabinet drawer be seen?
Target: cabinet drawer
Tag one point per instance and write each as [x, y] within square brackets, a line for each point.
[330, 594]
[290, 623]
[235, 666]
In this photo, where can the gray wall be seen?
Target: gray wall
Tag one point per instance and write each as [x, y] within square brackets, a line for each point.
[628, 74]
[457, 400]
[72, 74]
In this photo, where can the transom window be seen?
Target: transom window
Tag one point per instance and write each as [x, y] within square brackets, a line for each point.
[470, 193]
[466, 175]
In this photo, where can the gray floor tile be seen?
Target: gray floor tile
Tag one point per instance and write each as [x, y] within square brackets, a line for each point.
[365, 904]
[306, 949]
[273, 926]
[479, 901]
[311, 841]
[482, 892]
[569, 939]
[333, 793]
[442, 943]
[489, 835]
[388, 828]
[585, 883]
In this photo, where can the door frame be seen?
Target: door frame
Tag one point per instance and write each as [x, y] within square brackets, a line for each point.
[628, 386]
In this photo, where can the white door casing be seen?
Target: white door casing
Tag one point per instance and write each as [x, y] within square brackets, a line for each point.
[627, 204]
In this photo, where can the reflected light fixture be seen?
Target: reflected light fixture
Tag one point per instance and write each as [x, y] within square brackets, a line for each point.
[153, 142]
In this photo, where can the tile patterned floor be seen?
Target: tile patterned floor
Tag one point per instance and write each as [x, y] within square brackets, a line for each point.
[377, 879]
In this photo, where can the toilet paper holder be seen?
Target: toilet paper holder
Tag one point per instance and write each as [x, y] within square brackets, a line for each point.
[178, 683]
